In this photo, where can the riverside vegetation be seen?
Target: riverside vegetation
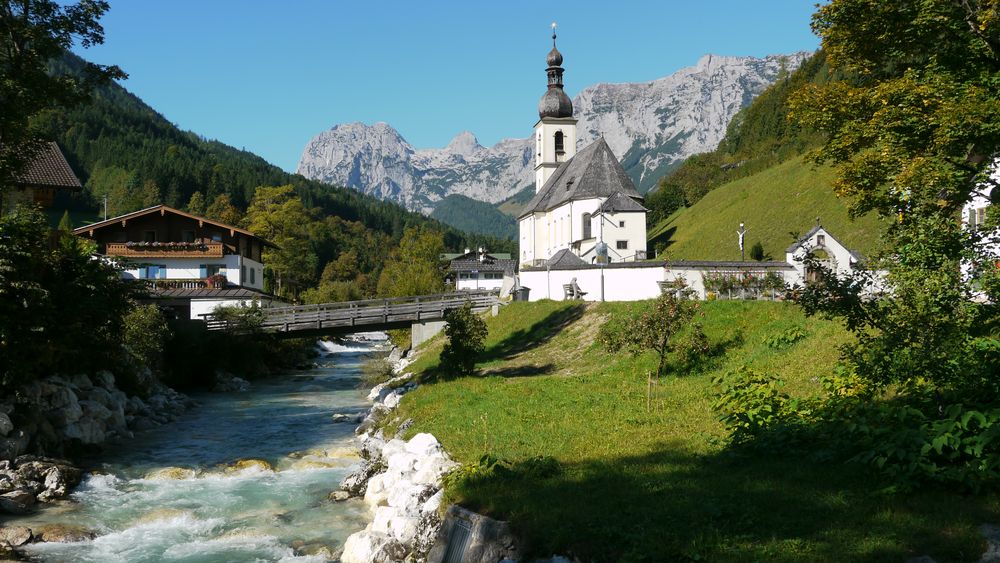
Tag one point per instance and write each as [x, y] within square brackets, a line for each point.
[555, 435]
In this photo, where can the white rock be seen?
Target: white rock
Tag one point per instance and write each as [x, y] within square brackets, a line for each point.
[392, 447]
[424, 444]
[404, 528]
[432, 504]
[392, 399]
[432, 470]
[402, 462]
[407, 496]
[381, 520]
[371, 547]
[377, 494]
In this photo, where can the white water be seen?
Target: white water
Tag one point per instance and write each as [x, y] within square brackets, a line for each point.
[204, 512]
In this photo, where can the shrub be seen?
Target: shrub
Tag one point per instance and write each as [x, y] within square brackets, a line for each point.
[785, 339]
[145, 333]
[466, 334]
[757, 251]
[751, 403]
[650, 330]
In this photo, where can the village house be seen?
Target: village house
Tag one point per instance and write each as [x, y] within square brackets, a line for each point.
[192, 264]
[584, 202]
[47, 174]
[478, 270]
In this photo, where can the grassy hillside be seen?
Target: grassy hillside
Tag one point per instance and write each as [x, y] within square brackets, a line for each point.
[773, 203]
[473, 216]
[598, 476]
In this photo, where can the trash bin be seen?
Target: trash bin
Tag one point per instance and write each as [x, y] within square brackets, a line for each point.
[521, 293]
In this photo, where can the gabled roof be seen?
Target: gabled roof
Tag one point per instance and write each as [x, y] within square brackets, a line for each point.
[802, 240]
[162, 210]
[449, 256]
[564, 260]
[620, 203]
[49, 169]
[592, 172]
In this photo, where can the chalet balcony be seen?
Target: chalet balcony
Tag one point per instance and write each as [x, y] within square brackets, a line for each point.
[210, 249]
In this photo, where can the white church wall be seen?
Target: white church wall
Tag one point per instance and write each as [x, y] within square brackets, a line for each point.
[620, 284]
[821, 239]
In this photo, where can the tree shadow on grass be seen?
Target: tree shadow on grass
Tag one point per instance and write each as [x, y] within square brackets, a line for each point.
[527, 370]
[534, 336]
[671, 505]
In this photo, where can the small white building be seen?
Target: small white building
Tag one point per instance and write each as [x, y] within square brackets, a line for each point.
[584, 202]
[190, 264]
[479, 270]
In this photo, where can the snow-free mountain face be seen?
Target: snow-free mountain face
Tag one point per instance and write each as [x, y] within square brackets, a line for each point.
[650, 126]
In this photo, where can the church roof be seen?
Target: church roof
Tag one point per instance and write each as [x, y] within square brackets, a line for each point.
[620, 203]
[806, 237]
[592, 172]
[564, 260]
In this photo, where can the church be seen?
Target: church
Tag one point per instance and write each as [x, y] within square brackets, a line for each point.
[586, 209]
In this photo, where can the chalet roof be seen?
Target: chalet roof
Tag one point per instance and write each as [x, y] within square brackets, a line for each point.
[162, 210]
[620, 203]
[212, 293]
[592, 172]
[49, 169]
[449, 256]
[564, 260]
[802, 240]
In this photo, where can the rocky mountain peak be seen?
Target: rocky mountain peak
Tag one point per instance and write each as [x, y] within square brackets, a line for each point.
[651, 126]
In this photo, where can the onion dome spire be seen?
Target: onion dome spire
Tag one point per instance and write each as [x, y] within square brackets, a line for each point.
[555, 102]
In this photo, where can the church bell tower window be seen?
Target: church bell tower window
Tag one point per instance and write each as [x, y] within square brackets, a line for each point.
[560, 149]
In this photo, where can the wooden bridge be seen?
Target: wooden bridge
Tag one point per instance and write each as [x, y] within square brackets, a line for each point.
[424, 311]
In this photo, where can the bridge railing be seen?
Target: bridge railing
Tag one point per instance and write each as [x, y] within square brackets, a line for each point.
[362, 313]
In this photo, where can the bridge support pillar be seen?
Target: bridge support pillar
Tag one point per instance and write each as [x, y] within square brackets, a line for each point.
[422, 331]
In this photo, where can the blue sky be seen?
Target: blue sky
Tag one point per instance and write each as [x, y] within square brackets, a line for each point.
[267, 76]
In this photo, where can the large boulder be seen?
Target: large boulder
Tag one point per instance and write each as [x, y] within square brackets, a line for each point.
[64, 533]
[15, 536]
[19, 501]
[487, 539]
[372, 547]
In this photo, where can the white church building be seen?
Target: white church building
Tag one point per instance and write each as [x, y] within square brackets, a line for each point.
[584, 202]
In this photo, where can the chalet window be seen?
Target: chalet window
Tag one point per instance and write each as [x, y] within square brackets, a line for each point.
[621, 224]
[493, 275]
[586, 225]
[120, 237]
[253, 271]
[820, 240]
[149, 236]
[243, 274]
[559, 143]
[621, 244]
[209, 270]
[153, 272]
[217, 237]
[463, 275]
[187, 236]
[976, 218]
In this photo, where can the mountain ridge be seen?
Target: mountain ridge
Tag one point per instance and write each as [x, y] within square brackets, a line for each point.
[651, 126]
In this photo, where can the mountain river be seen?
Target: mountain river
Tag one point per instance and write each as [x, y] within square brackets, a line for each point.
[180, 493]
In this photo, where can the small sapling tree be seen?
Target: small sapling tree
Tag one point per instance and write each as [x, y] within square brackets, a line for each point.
[654, 329]
[466, 334]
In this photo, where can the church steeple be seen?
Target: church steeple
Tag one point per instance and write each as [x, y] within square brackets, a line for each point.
[555, 132]
[555, 102]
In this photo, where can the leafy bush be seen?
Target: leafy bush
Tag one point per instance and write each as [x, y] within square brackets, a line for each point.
[241, 317]
[785, 339]
[466, 334]
[751, 403]
[692, 347]
[757, 251]
[145, 334]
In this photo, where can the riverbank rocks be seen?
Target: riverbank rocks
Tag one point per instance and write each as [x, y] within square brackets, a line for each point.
[226, 382]
[245, 464]
[404, 490]
[482, 538]
[30, 479]
[63, 533]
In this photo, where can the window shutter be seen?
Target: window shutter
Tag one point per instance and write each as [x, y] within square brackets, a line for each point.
[204, 271]
[142, 272]
[163, 272]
